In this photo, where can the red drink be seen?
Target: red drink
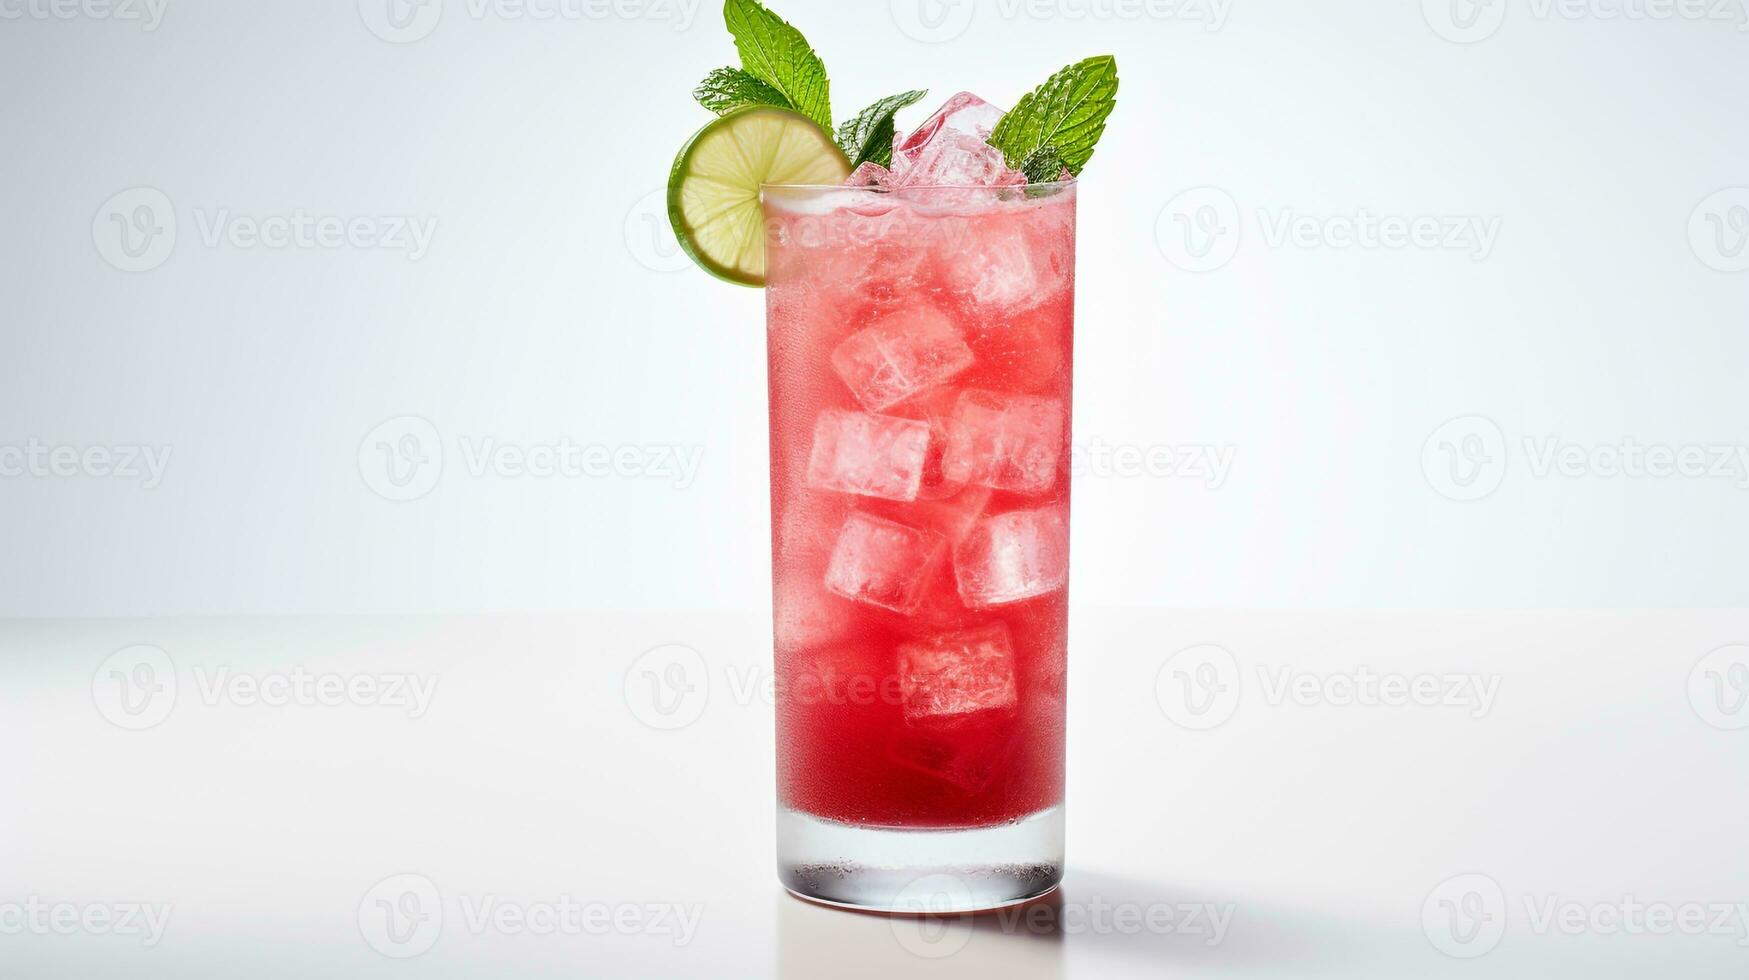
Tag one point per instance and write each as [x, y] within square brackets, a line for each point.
[920, 304]
[920, 355]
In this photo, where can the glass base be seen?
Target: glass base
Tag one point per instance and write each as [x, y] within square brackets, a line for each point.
[922, 871]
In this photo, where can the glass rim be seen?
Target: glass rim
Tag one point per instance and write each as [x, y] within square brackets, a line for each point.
[878, 189]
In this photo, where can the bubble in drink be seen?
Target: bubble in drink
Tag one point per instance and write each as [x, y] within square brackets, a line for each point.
[900, 356]
[870, 455]
[1013, 556]
[1010, 442]
[882, 562]
[946, 678]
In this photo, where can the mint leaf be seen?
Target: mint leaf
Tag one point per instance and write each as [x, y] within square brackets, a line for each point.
[867, 137]
[778, 55]
[731, 88]
[1044, 165]
[1067, 112]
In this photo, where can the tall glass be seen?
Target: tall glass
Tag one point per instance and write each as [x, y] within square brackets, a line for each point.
[919, 348]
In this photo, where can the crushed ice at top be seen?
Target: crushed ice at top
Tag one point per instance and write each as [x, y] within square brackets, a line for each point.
[949, 149]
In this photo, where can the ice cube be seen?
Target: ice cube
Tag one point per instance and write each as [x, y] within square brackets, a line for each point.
[882, 562]
[955, 160]
[868, 174]
[871, 455]
[998, 273]
[900, 356]
[950, 149]
[965, 114]
[1013, 556]
[1010, 442]
[951, 516]
[805, 614]
[945, 678]
[1022, 262]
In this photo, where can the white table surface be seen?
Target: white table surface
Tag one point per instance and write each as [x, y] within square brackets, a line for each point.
[1317, 832]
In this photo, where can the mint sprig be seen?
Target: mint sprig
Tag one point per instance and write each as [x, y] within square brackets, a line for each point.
[728, 89]
[778, 55]
[867, 137]
[1067, 113]
[1044, 165]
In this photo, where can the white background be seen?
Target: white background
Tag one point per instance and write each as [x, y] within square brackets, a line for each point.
[535, 315]
[1386, 413]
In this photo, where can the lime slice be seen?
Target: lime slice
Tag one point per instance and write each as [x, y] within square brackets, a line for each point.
[713, 191]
